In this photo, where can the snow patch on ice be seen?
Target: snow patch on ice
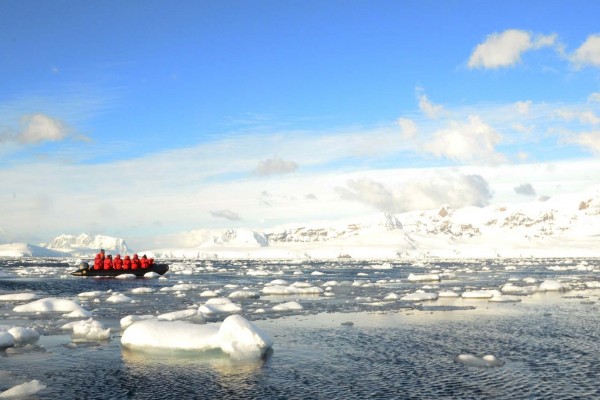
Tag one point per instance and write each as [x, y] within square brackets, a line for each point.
[23, 390]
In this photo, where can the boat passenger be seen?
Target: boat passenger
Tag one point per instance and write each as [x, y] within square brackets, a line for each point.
[98, 262]
[127, 262]
[145, 262]
[151, 262]
[108, 264]
[135, 262]
[118, 262]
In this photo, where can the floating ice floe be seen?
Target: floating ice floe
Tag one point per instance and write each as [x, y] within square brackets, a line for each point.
[209, 293]
[424, 277]
[126, 276]
[88, 330]
[298, 288]
[91, 295]
[119, 298]
[487, 361]
[52, 304]
[502, 298]
[142, 290]
[18, 297]
[419, 296]
[23, 390]
[448, 293]
[180, 287]
[219, 305]
[593, 285]
[391, 297]
[509, 288]
[130, 319]
[177, 315]
[289, 306]
[244, 294]
[480, 294]
[236, 336]
[550, 285]
[151, 275]
[24, 335]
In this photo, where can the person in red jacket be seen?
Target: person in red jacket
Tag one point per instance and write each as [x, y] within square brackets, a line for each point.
[145, 262]
[135, 262]
[118, 262]
[127, 263]
[151, 262]
[99, 260]
[108, 264]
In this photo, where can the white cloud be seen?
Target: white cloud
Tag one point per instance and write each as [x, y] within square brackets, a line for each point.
[427, 107]
[588, 53]
[275, 166]
[408, 127]
[594, 97]
[36, 128]
[227, 214]
[583, 117]
[456, 190]
[523, 107]
[473, 141]
[589, 140]
[505, 49]
[525, 189]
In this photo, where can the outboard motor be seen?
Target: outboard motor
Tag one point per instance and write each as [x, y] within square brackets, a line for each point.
[84, 265]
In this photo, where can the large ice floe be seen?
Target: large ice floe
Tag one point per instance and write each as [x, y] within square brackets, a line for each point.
[51, 304]
[235, 336]
[88, 330]
[23, 390]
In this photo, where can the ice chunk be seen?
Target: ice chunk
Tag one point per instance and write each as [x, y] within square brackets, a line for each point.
[175, 315]
[235, 336]
[244, 294]
[448, 293]
[89, 330]
[126, 276]
[130, 319]
[23, 390]
[151, 275]
[24, 335]
[487, 361]
[480, 294]
[119, 298]
[292, 290]
[219, 305]
[91, 295]
[18, 297]
[289, 306]
[424, 277]
[142, 290]
[419, 296]
[550, 285]
[51, 304]
[209, 293]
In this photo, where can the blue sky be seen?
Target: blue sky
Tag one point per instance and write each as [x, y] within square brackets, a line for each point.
[170, 117]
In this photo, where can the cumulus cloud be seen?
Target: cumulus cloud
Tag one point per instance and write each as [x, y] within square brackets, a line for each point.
[275, 166]
[427, 107]
[408, 127]
[505, 49]
[588, 53]
[227, 214]
[36, 128]
[473, 141]
[457, 191]
[525, 189]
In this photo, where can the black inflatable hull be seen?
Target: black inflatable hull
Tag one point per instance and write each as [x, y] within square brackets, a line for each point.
[160, 269]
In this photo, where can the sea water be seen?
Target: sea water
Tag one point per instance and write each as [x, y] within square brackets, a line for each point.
[356, 339]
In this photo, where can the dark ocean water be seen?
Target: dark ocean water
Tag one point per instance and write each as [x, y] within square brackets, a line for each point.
[351, 345]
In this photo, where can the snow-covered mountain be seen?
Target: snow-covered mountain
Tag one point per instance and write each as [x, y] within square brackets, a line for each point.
[567, 225]
[87, 245]
[27, 250]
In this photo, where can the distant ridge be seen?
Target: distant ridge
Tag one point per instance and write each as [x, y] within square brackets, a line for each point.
[87, 245]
